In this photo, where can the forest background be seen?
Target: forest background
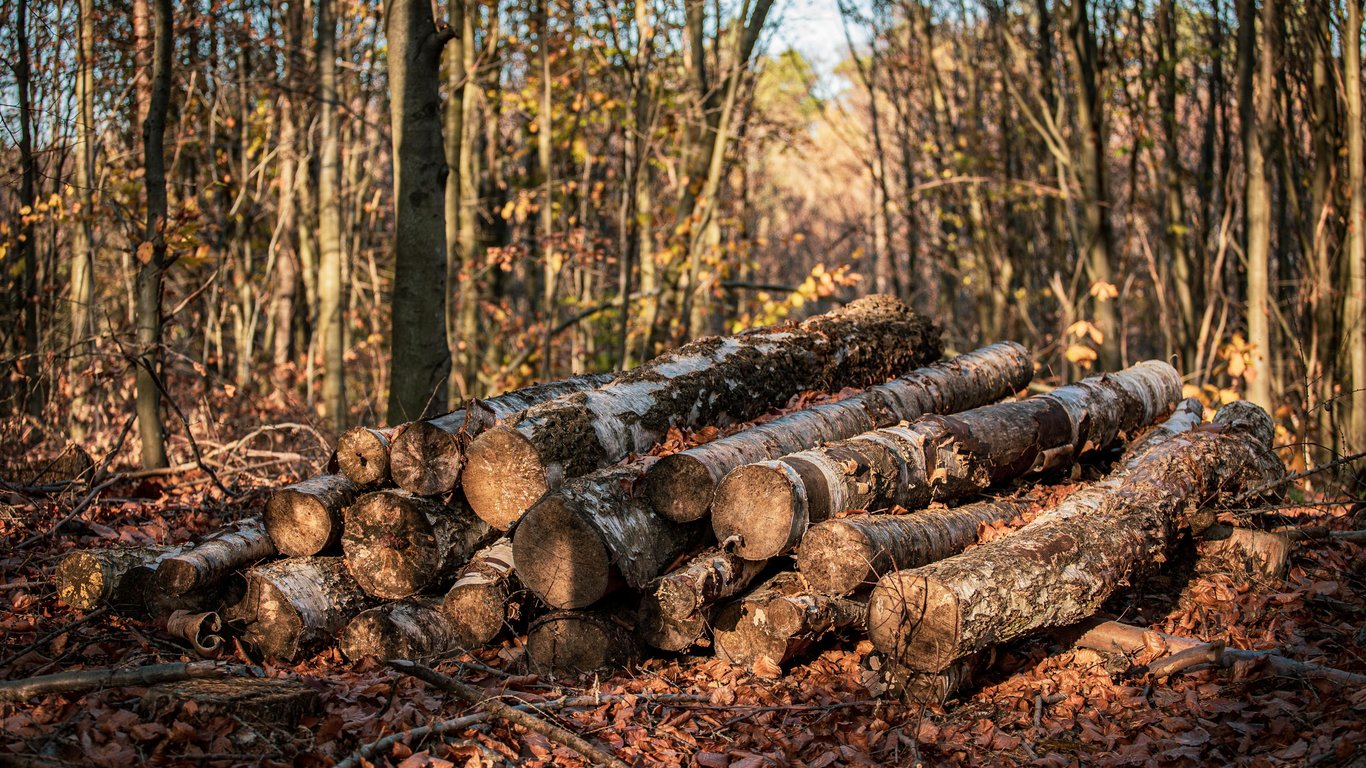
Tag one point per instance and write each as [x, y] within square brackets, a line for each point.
[345, 213]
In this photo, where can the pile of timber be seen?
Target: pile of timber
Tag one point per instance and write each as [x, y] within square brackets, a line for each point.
[549, 511]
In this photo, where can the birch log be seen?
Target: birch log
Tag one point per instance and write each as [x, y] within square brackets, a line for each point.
[210, 561]
[363, 455]
[578, 641]
[296, 606]
[681, 486]
[1060, 568]
[483, 596]
[770, 504]
[707, 578]
[415, 628]
[779, 619]
[305, 518]
[121, 576]
[397, 544]
[711, 381]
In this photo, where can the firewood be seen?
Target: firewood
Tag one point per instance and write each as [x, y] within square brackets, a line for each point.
[296, 606]
[779, 619]
[480, 602]
[397, 544]
[707, 578]
[305, 518]
[210, 561]
[415, 628]
[658, 629]
[120, 576]
[578, 641]
[363, 455]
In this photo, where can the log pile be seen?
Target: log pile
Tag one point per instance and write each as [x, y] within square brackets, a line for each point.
[554, 511]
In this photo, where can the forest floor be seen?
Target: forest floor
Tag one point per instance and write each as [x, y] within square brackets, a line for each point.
[1039, 703]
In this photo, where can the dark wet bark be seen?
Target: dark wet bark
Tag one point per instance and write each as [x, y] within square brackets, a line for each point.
[415, 628]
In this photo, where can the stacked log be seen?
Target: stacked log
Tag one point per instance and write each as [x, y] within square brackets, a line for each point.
[397, 544]
[415, 628]
[296, 606]
[121, 577]
[483, 599]
[214, 559]
[781, 618]
[305, 519]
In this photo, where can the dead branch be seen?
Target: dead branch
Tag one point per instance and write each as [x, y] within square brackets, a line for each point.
[90, 680]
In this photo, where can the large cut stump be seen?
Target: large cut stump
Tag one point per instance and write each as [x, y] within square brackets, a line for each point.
[426, 456]
[484, 598]
[769, 505]
[1060, 568]
[296, 606]
[680, 487]
[305, 518]
[214, 559]
[274, 703]
[398, 544]
[414, 628]
[122, 577]
[578, 641]
[711, 381]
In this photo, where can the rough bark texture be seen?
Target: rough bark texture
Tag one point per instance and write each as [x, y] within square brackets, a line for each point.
[305, 519]
[839, 556]
[709, 577]
[572, 543]
[483, 596]
[780, 619]
[578, 641]
[681, 485]
[924, 688]
[427, 456]
[212, 560]
[716, 381]
[271, 702]
[657, 629]
[1060, 568]
[1244, 553]
[363, 455]
[200, 630]
[770, 504]
[415, 628]
[294, 607]
[398, 544]
[121, 577]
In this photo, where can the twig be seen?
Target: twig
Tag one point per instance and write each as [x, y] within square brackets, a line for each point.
[76, 510]
[1335, 463]
[189, 433]
[369, 751]
[1321, 533]
[504, 711]
[86, 619]
[79, 682]
[1207, 653]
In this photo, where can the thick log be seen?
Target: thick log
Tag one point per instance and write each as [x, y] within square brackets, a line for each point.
[363, 455]
[711, 381]
[122, 577]
[578, 641]
[1244, 553]
[483, 597]
[427, 456]
[1061, 567]
[923, 688]
[780, 619]
[397, 544]
[583, 540]
[681, 486]
[415, 628]
[305, 519]
[657, 629]
[296, 606]
[839, 556]
[770, 504]
[207, 563]
[707, 578]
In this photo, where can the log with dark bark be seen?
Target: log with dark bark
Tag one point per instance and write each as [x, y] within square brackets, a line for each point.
[363, 455]
[1061, 567]
[680, 487]
[1244, 553]
[923, 688]
[578, 641]
[707, 578]
[483, 598]
[305, 518]
[296, 606]
[426, 456]
[779, 619]
[415, 628]
[210, 561]
[711, 381]
[585, 539]
[397, 544]
[122, 577]
[770, 504]
[839, 556]
[270, 702]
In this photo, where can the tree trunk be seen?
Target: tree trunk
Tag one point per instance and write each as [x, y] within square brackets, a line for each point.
[397, 544]
[210, 561]
[83, 247]
[1105, 536]
[331, 320]
[573, 545]
[770, 504]
[306, 518]
[414, 628]
[121, 577]
[295, 607]
[1354, 306]
[838, 556]
[426, 456]
[1254, 115]
[1259, 557]
[780, 619]
[482, 600]
[707, 578]
[709, 381]
[681, 486]
[421, 351]
[578, 641]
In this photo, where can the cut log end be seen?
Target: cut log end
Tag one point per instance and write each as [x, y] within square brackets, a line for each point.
[176, 577]
[504, 475]
[833, 558]
[363, 456]
[391, 547]
[477, 613]
[572, 641]
[408, 630]
[277, 629]
[906, 615]
[560, 556]
[763, 504]
[425, 459]
[82, 581]
[679, 487]
[668, 633]
[300, 524]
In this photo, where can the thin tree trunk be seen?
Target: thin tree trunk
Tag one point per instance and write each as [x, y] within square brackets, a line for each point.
[28, 193]
[331, 309]
[83, 245]
[780, 619]
[1253, 102]
[1354, 308]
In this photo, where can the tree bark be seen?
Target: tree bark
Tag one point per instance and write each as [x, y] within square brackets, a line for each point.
[1246, 554]
[1060, 568]
[294, 607]
[83, 262]
[707, 578]
[578, 641]
[426, 456]
[769, 505]
[398, 544]
[331, 310]
[709, 381]
[1354, 305]
[415, 628]
[1254, 113]
[681, 486]
[483, 599]
[120, 577]
[838, 556]
[210, 561]
[305, 518]
[780, 619]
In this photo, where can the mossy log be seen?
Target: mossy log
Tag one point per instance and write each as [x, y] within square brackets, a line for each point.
[123, 577]
[681, 486]
[415, 628]
[397, 544]
[205, 564]
[769, 505]
[711, 381]
[425, 457]
[296, 606]
[1061, 567]
[484, 597]
[579, 641]
[305, 519]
